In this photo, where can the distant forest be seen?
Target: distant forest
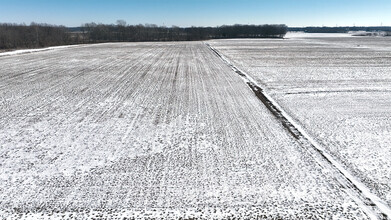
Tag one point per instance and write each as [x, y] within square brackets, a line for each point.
[14, 36]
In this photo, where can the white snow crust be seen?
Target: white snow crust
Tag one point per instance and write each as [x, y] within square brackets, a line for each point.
[24, 51]
[149, 130]
[337, 88]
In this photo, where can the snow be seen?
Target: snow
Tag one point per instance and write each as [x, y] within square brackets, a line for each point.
[337, 89]
[301, 35]
[24, 51]
[149, 129]
[362, 188]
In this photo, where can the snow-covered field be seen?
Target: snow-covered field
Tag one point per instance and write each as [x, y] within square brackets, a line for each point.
[24, 51]
[337, 88]
[168, 130]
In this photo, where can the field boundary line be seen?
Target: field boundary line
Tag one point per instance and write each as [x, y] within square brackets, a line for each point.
[28, 51]
[371, 204]
[36, 50]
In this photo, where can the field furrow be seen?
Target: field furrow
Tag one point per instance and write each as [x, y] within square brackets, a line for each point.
[336, 88]
[150, 130]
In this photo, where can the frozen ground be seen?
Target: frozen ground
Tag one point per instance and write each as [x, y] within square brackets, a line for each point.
[24, 51]
[303, 35]
[337, 88]
[155, 130]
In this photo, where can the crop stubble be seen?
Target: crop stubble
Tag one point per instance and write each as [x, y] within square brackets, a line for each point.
[149, 129]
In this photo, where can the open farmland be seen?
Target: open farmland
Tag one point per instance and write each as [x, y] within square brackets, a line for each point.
[335, 86]
[170, 130]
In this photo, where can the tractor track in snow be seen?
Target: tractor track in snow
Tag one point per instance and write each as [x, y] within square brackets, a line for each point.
[373, 205]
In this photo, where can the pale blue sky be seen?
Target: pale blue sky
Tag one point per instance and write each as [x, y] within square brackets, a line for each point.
[199, 12]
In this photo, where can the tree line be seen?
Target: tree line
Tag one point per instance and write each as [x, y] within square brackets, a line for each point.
[13, 36]
[150, 32]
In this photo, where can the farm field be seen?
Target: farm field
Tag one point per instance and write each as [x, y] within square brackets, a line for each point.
[337, 87]
[169, 130]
